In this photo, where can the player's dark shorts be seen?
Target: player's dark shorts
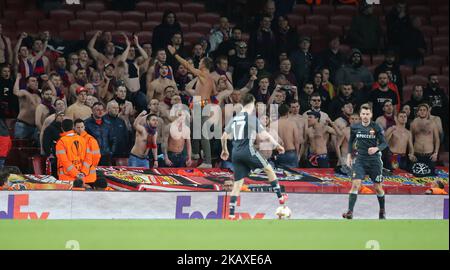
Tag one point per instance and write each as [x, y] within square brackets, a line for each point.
[246, 160]
[368, 166]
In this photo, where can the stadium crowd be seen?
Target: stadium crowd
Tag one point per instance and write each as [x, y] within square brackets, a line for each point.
[119, 94]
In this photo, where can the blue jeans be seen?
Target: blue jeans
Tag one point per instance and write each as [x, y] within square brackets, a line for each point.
[135, 161]
[178, 159]
[25, 131]
[288, 160]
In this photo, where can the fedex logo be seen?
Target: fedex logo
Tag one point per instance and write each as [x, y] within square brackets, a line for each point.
[13, 209]
[350, 2]
[221, 212]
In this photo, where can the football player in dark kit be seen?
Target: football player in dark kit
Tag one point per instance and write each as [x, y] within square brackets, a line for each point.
[242, 129]
[370, 142]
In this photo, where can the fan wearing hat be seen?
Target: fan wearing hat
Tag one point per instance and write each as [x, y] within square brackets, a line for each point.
[79, 110]
[302, 60]
[355, 73]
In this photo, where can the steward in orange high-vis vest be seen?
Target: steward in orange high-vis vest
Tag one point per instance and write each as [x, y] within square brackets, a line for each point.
[72, 156]
[93, 149]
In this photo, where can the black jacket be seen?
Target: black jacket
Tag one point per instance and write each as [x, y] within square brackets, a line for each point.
[103, 134]
[335, 109]
[438, 101]
[397, 77]
[121, 146]
[50, 137]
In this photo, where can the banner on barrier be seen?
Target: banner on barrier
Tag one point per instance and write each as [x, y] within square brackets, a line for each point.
[207, 205]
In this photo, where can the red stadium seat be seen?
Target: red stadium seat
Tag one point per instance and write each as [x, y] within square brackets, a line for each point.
[172, 6]
[38, 164]
[87, 15]
[439, 21]
[372, 68]
[150, 25]
[80, 25]
[302, 9]
[407, 91]
[318, 44]
[440, 41]
[201, 27]
[95, 6]
[443, 158]
[74, 7]
[186, 17]
[212, 18]
[194, 8]
[120, 161]
[318, 20]
[193, 37]
[61, 15]
[341, 20]
[443, 10]
[129, 26]
[50, 25]
[366, 59]
[308, 30]
[137, 16]
[332, 29]
[145, 6]
[117, 36]
[29, 26]
[419, 10]
[428, 30]
[34, 14]
[145, 36]
[326, 10]
[345, 49]
[377, 59]
[111, 15]
[442, 51]
[427, 70]
[433, 60]
[443, 30]
[346, 10]
[295, 20]
[70, 35]
[443, 81]
[155, 16]
[104, 25]
[184, 27]
[445, 71]
[417, 79]
[406, 71]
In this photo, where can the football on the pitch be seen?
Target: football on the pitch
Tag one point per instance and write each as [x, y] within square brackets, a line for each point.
[283, 212]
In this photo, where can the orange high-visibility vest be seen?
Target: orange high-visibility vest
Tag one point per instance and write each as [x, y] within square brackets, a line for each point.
[438, 191]
[94, 151]
[72, 158]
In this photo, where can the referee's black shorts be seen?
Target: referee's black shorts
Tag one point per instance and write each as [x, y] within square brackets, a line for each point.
[372, 166]
[245, 160]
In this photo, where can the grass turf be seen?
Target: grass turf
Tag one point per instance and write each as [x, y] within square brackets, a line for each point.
[225, 235]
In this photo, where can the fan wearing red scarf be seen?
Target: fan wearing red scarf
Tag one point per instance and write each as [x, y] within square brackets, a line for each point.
[146, 134]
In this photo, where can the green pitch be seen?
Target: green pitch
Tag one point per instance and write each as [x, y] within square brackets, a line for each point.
[223, 235]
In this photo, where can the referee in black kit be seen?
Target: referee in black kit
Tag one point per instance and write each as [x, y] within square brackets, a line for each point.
[369, 141]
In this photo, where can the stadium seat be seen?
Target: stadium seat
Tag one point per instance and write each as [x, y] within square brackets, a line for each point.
[184, 27]
[201, 27]
[428, 30]
[150, 25]
[129, 26]
[377, 59]
[346, 10]
[155, 16]
[443, 30]
[443, 81]
[193, 37]
[80, 25]
[302, 10]
[194, 8]
[326, 10]
[117, 36]
[34, 14]
[439, 21]
[38, 164]
[104, 25]
[440, 41]
[318, 20]
[70, 35]
[332, 29]
[406, 71]
[366, 59]
[87, 15]
[295, 20]
[137, 16]
[443, 10]
[111, 15]
[145, 36]
[433, 60]
[186, 17]
[120, 161]
[95, 6]
[318, 44]
[61, 15]
[445, 71]
[212, 18]
[345, 49]
[407, 91]
[441, 51]
[341, 20]
[417, 79]
[145, 6]
[372, 68]
[73, 8]
[308, 30]
[419, 10]
[172, 6]
[29, 26]
[427, 70]
[50, 25]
